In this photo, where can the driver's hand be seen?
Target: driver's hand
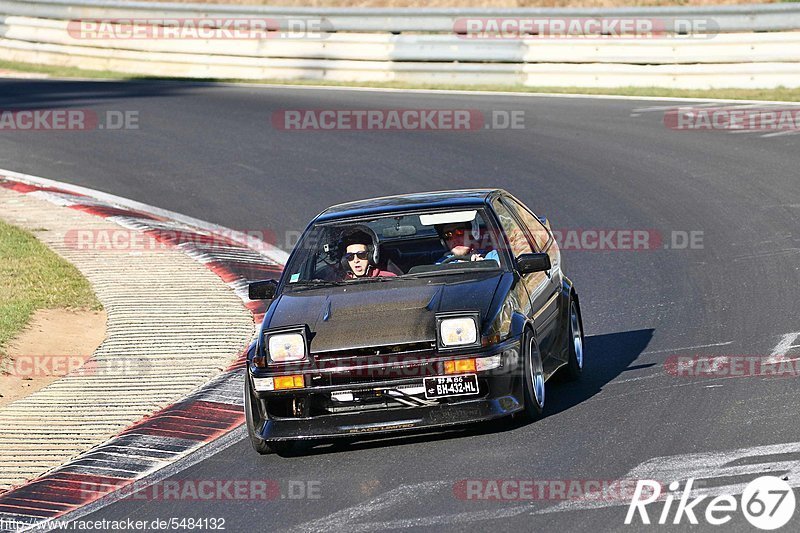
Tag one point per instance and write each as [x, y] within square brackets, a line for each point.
[476, 257]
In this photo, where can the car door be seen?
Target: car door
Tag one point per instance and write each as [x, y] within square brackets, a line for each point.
[545, 297]
[537, 284]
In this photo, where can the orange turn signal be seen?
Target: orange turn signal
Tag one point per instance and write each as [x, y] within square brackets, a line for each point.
[459, 366]
[289, 382]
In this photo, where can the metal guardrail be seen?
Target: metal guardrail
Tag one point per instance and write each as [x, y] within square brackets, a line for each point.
[724, 48]
[418, 46]
[732, 18]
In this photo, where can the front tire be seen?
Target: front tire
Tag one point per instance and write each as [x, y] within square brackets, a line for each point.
[576, 342]
[534, 384]
[255, 421]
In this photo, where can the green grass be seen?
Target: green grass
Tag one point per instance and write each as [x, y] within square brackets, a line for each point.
[782, 94]
[33, 277]
[63, 72]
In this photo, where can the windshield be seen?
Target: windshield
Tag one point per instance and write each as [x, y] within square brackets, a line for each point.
[402, 245]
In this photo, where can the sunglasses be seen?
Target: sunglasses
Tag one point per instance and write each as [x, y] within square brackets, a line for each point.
[449, 234]
[361, 255]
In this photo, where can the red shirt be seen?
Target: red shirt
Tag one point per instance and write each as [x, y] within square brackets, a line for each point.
[373, 272]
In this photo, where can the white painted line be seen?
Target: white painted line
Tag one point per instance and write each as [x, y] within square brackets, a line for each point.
[345, 519]
[689, 347]
[780, 133]
[707, 466]
[673, 385]
[663, 108]
[469, 517]
[630, 380]
[783, 347]
[703, 467]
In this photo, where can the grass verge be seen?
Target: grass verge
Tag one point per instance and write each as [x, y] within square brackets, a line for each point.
[33, 277]
[779, 94]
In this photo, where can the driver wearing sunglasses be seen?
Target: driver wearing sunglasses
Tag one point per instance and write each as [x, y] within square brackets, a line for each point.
[457, 238]
[358, 256]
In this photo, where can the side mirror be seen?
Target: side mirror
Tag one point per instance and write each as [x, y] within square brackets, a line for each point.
[529, 263]
[262, 290]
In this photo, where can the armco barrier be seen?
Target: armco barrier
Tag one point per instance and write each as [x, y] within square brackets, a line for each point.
[420, 46]
[736, 18]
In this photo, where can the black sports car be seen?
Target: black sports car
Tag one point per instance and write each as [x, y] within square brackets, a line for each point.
[415, 311]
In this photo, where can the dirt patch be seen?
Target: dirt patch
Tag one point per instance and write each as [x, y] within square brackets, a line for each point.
[54, 342]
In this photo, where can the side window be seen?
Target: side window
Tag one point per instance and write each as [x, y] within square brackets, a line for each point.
[540, 234]
[516, 236]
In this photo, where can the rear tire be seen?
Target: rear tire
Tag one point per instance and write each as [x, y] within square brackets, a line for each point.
[576, 342]
[534, 384]
[255, 421]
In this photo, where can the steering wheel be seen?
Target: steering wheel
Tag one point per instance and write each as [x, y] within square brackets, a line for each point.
[453, 258]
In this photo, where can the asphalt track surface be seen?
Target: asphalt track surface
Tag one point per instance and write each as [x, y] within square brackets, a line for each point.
[211, 152]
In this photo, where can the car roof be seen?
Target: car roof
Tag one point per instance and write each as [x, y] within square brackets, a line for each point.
[410, 202]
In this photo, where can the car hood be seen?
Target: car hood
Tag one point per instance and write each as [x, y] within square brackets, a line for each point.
[381, 313]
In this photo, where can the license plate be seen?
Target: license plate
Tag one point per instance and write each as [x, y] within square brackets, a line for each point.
[445, 386]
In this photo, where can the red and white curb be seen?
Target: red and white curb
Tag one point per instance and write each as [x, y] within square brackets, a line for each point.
[148, 448]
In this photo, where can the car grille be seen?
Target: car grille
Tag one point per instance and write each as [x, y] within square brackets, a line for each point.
[375, 351]
[417, 370]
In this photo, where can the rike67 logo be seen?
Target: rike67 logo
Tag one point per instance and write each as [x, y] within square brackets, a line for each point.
[767, 502]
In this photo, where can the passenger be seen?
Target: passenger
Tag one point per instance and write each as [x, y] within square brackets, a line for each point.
[456, 238]
[359, 256]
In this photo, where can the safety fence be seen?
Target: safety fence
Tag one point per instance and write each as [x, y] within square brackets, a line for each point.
[755, 46]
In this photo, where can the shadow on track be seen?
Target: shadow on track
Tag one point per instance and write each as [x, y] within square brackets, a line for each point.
[608, 356]
[57, 94]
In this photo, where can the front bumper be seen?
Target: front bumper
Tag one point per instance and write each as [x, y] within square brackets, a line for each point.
[378, 411]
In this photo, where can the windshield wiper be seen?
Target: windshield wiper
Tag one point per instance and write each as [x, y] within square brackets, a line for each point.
[445, 272]
[315, 283]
